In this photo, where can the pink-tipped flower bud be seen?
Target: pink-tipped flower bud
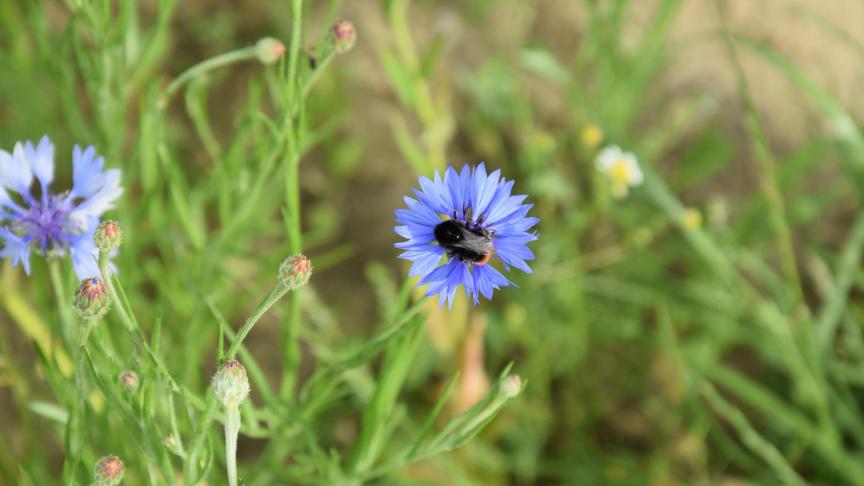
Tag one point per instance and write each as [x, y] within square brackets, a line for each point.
[230, 384]
[91, 299]
[108, 236]
[295, 271]
[511, 386]
[343, 36]
[109, 471]
[269, 50]
[129, 380]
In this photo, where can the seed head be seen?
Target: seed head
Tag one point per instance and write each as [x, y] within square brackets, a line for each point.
[230, 384]
[129, 380]
[91, 299]
[108, 236]
[109, 471]
[343, 35]
[295, 271]
[269, 50]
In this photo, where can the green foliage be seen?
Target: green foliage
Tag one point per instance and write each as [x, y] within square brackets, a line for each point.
[652, 349]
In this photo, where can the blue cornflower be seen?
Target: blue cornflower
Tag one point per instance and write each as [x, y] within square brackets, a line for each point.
[53, 225]
[467, 217]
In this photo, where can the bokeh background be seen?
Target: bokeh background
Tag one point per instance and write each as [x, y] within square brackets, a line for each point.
[657, 348]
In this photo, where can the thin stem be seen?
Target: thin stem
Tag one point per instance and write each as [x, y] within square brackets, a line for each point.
[63, 305]
[131, 324]
[206, 66]
[291, 348]
[232, 430]
[262, 308]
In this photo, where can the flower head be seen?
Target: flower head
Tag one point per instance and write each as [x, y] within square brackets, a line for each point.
[295, 271]
[468, 218]
[230, 384]
[109, 471]
[129, 380]
[691, 219]
[108, 236]
[53, 224]
[343, 35]
[621, 168]
[269, 50]
[591, 136]
[91, 299]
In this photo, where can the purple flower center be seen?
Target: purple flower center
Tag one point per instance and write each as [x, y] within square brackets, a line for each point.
[45, 224]
[468, 220]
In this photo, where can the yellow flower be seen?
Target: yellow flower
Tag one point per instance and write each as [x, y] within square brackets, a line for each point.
[691, 219]
[621, 168]
[591, 136]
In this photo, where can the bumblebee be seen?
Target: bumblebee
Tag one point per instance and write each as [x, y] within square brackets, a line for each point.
[472, 245]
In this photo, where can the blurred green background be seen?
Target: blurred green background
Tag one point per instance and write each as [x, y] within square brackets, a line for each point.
[656, 347]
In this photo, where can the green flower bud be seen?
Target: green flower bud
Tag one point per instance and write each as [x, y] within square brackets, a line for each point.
[295, 271]
[511, 386]
[108, 236]
[109, 471]
[269, 50]
[230, 384]
[91, 299]
[129, 380]
[343, 35]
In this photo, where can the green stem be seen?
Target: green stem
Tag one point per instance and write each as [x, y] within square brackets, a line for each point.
[63, 304]
[263, 307]
[232, 430]
[128, 319]
[291, 348]
[205, 67]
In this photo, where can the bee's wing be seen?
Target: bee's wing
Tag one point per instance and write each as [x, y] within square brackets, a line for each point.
[474, 243]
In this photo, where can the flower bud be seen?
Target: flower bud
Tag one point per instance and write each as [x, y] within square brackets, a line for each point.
[295, 271]
[230, 384]
[109, 471]
[343, 35]
[129, 380]
[591, 136]
[108, 236]
[91, 299]
[691, 219]
[511, 386]
[269, 50]
[170, 443]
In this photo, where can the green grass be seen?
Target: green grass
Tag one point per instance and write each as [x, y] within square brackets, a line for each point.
[650, 350]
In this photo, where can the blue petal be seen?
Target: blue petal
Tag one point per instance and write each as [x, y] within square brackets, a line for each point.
[453, 183]
[512, 251]
[41, 161]
[483, 190]
[435, 195]
[104, 197]
[15, 172]
[87, 175]
[505, 208]
[424, 259]
[15, 248]
[84, 253]
[487, 279]
[502, 224]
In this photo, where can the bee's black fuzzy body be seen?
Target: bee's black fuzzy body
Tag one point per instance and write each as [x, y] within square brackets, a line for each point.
[472, 245]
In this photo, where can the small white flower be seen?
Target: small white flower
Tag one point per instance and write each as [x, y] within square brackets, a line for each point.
[621, 168]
